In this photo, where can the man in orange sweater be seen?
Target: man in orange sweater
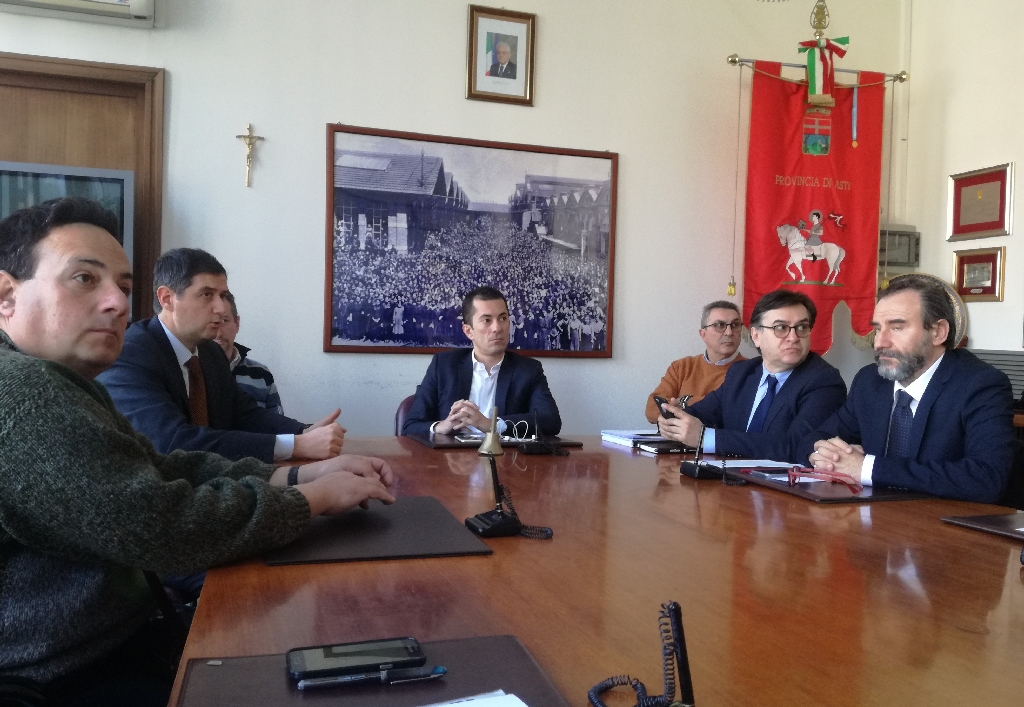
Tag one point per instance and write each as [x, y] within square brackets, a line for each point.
[720, 324]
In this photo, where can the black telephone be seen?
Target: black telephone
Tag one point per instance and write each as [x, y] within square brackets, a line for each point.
[501, 523]
[673, 646]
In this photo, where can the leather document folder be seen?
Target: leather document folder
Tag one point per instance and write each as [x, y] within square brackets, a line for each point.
[824, 491]
[475, 666]
[1010, 525]
[413, 526]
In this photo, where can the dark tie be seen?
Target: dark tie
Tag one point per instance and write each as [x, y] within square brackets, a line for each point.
[757, 421]
[197, 393]
[899, 427]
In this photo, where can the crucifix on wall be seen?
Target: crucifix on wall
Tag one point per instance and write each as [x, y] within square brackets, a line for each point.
[250, 141]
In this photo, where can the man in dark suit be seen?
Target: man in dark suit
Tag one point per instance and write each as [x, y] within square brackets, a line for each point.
[766, 404]
[927, 417]
[504, 68]
[175, 384]
[461, 387]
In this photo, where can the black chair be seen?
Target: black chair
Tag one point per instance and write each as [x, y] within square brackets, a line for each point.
[401, 413]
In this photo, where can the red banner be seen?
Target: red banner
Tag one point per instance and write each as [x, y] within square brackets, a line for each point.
[813, 190]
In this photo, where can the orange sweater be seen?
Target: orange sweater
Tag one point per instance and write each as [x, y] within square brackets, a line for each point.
[688, 376]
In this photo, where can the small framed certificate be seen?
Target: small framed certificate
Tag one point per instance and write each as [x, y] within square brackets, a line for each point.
[980, 203]
[978, 274]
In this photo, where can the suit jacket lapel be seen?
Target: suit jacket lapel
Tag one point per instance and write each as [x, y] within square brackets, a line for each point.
[156, 330]
[935, 386]
[465, 380]
[747, 395]
[504, 382]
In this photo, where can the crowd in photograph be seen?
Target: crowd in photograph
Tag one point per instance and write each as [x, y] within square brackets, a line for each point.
[557, 301]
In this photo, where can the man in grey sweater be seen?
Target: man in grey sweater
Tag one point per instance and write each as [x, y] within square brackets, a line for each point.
[86, 503]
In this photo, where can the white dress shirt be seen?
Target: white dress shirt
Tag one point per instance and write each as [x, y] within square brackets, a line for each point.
[916, 391]
[482, 392]
[284, 445]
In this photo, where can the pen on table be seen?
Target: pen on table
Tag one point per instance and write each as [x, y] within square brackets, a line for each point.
[387, 677]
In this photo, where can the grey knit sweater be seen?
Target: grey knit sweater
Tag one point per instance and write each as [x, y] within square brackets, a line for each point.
[86, 503]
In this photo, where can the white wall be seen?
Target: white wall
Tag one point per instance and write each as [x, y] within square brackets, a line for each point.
[966, 104]
[647, 79]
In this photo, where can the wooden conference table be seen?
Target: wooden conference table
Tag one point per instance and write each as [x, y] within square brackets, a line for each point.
[784, 602]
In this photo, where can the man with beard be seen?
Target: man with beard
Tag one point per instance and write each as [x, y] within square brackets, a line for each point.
[928, 417]
[462, 387]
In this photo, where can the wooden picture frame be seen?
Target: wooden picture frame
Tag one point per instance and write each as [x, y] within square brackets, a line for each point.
[416, 221]
[978, 274]
[980, 203]
[495, 35]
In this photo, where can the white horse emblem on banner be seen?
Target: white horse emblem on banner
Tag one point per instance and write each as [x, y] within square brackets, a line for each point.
[831, 253]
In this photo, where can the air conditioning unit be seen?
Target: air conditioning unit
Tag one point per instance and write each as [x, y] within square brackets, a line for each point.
[127, 13]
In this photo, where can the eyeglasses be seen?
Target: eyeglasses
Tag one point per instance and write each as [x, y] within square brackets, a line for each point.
[782, 330]
[797, 473]
[722, 326]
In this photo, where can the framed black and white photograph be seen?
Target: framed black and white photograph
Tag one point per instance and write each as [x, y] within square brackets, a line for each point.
[416, 221]
[500, 55]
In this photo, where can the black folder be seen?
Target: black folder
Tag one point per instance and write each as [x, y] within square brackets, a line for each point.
[823, 491]
[413, 526]
[475, 666]
[1010, 525]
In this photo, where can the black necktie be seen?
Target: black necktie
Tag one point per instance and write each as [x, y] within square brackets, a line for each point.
[757, 421]
[899, 427]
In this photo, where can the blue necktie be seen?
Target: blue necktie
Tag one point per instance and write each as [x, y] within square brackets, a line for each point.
[757, 421]
[899, 427]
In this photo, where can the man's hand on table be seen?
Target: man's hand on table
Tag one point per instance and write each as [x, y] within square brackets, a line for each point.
[838, 456]
[322, 440]
[342, 483]
[462, 415]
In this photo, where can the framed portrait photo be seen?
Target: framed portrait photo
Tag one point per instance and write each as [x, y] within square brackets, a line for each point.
[978, 274]
[414, 222]
[980, 203]
[500, 55]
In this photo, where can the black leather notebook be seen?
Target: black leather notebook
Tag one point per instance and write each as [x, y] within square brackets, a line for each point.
[475, 666]
[824, 491]
[438, 441]
[413, 526]
[1009, 524]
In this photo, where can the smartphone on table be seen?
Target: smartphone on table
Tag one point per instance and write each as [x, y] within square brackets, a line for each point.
[358, 657]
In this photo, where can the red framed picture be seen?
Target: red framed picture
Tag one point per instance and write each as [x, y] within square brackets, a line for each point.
[980, 203]
[978, 274]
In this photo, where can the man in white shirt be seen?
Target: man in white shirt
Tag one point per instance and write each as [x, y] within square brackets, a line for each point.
[928, 417]
[175, 384]
[462, 387]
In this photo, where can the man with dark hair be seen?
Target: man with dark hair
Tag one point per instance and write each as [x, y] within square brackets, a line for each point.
[175, 384]
[86, 503]
[250, 375]
[928, 417]
[461, 387]
[767, 404]
[696, 376]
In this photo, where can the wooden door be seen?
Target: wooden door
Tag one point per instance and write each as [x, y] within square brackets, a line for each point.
[87, 114]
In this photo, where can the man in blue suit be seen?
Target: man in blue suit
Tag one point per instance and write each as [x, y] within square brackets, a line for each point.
[461, 387]
[927, 417]
[174, 384]
[766, 404]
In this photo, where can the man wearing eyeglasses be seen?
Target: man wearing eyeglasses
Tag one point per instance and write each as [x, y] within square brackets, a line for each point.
[928, 417]
[766, 404]
[696, 376]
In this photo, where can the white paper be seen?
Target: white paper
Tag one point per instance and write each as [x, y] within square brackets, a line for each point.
[750, 463]
[498, 698]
